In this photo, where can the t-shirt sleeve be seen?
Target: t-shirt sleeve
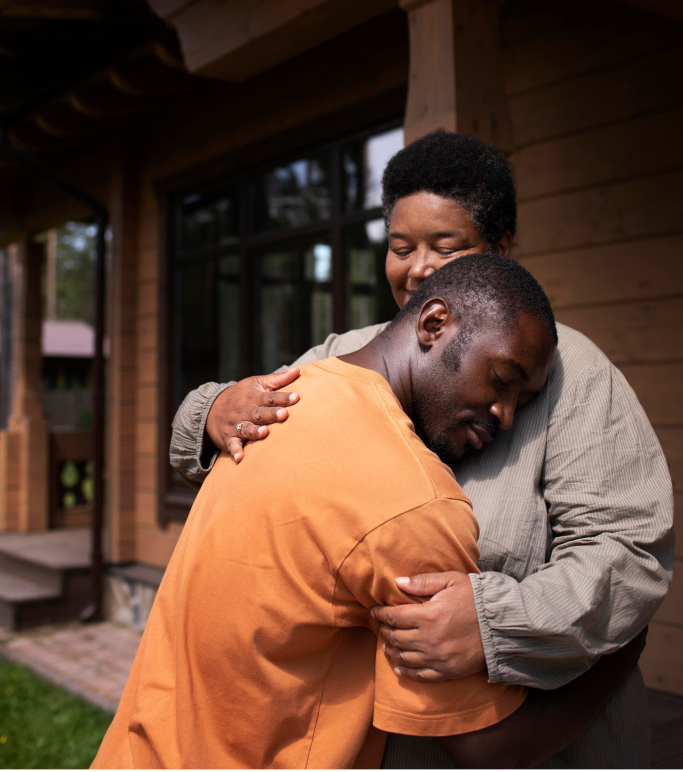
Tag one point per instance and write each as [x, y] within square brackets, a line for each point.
[438, 536]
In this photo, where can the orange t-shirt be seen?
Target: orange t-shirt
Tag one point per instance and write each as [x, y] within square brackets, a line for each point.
[260, 650]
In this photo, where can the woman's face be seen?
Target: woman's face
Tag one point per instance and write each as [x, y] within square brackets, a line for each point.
[427, 231]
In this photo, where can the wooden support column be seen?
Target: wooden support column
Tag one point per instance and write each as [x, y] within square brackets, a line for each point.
[51, 275]
[456, 77]
[121, 367]
[24, 445]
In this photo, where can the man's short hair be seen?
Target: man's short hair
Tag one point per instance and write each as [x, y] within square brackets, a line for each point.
[466, 170]
[484, 289]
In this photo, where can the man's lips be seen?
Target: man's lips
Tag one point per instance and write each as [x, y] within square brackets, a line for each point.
[478, 436]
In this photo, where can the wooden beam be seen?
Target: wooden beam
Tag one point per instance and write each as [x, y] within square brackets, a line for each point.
[72, 10]
[233, 40]
[149, 73]
[45, 11]
[456, 76]
[672, 9]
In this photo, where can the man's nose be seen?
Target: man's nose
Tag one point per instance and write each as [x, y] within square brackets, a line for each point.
[504, 412]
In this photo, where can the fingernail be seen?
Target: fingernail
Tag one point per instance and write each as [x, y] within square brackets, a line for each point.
[281, 413]
[372, 613]
[293, 396]
[261, 430]
[402, 580]
[397, 670]
[384, 647]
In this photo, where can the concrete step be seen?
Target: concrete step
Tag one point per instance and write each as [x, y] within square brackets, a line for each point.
[30, 571]
[17, 592]
[44, 577]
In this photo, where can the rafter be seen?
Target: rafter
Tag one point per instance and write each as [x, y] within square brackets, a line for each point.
[64, 10]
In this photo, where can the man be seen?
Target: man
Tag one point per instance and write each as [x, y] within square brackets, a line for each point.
[574, 503]
[259, 651]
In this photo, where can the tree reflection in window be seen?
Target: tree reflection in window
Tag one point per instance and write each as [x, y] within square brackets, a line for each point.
[293, 194]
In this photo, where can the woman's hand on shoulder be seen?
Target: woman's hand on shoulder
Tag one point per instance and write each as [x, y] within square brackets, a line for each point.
[251, 404]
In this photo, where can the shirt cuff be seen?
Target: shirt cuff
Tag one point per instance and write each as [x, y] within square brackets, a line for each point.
[492, 670]
[211, 448]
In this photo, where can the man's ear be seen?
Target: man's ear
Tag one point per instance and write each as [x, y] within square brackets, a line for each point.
[435, 315]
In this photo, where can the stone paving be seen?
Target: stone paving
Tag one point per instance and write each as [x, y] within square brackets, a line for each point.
[92, 661]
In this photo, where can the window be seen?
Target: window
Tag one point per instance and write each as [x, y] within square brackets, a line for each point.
[269, 262]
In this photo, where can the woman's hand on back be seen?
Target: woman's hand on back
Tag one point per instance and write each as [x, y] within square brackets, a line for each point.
[253, 403]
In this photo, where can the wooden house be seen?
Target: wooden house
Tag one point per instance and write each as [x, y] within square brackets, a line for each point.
[238, 145]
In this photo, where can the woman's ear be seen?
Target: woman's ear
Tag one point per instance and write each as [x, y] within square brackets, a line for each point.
[504, 247]
[435, 315]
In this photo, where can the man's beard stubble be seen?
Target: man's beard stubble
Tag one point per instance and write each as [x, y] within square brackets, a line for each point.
[438, 442]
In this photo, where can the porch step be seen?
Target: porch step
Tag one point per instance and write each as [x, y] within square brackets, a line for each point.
[44, 577]
[16, 593]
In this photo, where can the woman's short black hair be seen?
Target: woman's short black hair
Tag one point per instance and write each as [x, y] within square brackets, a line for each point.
[484, 288]
[469, 171]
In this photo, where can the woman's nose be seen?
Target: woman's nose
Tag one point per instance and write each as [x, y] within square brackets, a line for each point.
[421, 266]
[504, 412]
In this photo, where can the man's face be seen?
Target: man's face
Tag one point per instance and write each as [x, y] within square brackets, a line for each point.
[469, 386]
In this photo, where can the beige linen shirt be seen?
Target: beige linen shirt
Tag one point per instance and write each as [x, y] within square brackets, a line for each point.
[575, 509]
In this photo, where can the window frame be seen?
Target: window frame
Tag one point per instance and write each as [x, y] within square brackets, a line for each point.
[175, 502]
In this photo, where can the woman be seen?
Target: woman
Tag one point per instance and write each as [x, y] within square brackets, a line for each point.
[574, 502]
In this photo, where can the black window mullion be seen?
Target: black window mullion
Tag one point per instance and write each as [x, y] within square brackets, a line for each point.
[339, 268]
[248, 320]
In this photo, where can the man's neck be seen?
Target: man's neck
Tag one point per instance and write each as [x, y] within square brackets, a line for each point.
[389, 354]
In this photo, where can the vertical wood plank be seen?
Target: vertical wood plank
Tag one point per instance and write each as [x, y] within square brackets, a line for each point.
[456, 75]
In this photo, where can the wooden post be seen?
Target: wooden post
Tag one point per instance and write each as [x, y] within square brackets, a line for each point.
[51, 274]
[456, 77]
[121, 369]
[24, 446]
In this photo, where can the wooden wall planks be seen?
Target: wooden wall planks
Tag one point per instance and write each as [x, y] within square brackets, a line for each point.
[611, 273]
[671, 440]
[632, 332]
[671, 610]
[596, 96]
[528, 19]
[633, 148]
[658, 387]
[678, 520]
[650, 83]
[612, 36]
[648, 206]
[661, 662]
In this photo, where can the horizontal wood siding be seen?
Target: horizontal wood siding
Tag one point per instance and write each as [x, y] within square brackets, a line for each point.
[596, 93]
[366, 63]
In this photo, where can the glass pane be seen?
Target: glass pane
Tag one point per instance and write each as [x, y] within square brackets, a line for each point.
[363, 166]
[371, 301]
[209, 219]
[207, 323]
[228, 329]
[294, 301]
[294, 194]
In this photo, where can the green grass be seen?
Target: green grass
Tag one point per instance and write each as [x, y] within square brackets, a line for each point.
[44, 727]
